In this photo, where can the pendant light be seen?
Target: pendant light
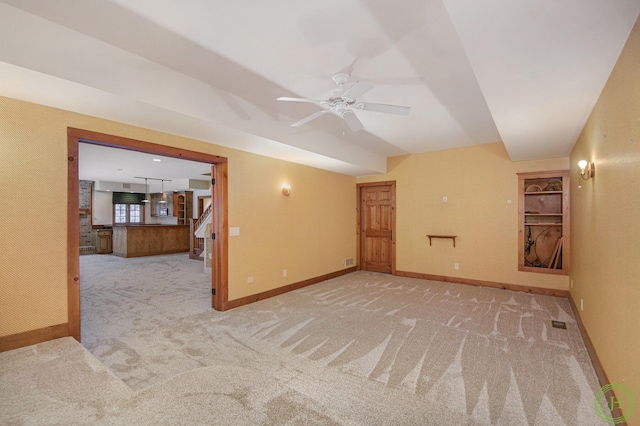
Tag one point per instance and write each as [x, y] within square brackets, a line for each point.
[146, 194]
[163, 200]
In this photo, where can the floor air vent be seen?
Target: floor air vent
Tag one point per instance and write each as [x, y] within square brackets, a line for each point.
[559, 324]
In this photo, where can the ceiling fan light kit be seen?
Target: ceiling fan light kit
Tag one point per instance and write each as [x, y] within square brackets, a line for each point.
[343, 103]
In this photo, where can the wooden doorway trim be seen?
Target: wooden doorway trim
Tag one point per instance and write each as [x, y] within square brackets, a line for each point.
[359, 222]
[219, 266]
[220, 245]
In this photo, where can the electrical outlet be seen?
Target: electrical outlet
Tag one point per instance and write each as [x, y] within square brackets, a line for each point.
[456, 266]
[445, 199]
[249, 280]
[284, 272]
[581, 305]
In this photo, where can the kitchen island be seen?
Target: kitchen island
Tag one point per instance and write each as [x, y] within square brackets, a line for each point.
[150, 240]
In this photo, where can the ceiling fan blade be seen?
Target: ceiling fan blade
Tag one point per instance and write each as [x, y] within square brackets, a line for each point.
[310, 101]
[311, 117]
[352, 120]
[358, 89]
[387, 109]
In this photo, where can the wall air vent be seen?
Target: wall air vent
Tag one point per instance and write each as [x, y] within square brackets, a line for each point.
[102, 185]
[349, 262]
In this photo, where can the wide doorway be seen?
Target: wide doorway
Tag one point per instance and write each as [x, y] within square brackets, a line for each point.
[219, 259]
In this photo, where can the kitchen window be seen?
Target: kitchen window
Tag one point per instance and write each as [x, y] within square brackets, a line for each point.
[127, 214]
[128, 208]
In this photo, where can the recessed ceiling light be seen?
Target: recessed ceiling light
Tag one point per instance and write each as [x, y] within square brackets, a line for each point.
[157, 159]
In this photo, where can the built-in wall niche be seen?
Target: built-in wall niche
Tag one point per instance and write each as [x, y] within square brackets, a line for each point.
[544, 222]
[183, 206]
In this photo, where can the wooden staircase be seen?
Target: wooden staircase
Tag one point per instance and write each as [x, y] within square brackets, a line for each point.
[196, 244]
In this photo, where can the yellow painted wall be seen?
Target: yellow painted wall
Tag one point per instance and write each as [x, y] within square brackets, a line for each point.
[479, 182]
[309, 234]
[605, 220]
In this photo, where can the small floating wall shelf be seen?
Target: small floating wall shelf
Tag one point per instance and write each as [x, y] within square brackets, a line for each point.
[452, 237]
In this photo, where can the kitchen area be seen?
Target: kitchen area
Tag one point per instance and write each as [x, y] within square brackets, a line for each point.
[170, 235]
[135, 215]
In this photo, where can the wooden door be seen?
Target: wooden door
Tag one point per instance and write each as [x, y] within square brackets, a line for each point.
[377, 223]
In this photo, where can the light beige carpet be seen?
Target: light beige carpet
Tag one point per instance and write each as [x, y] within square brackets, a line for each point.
[364, 348]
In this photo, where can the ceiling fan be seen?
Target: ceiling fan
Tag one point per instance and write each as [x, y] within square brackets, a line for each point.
[343, 102]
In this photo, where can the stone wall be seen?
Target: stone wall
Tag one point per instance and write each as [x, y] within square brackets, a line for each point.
[87, 244]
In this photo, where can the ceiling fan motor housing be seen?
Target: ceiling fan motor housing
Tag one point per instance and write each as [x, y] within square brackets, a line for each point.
[342, 102]
[340, 78]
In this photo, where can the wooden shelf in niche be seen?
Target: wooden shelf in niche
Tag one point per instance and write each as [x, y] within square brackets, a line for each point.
[452, 237]
[544, 224]
[182, 206]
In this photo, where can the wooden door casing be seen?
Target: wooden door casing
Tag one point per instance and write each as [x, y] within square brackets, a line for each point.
[377, 226]
[219, 280]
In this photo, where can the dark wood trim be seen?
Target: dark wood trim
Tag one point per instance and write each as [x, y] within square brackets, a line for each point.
[287, 288]
[220, 224]
[593, 355]
[602, 376]
[394, 234]
[480, 283]
[19, 340]
[73, 239]
[219, 280]
[113, 141]
[382, 183]
[358, 225]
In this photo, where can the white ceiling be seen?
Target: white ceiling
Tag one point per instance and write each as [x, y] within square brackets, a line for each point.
[524, 72]
[100, 163]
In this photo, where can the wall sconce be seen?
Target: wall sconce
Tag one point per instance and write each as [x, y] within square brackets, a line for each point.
[586, 169]
[286, 190]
